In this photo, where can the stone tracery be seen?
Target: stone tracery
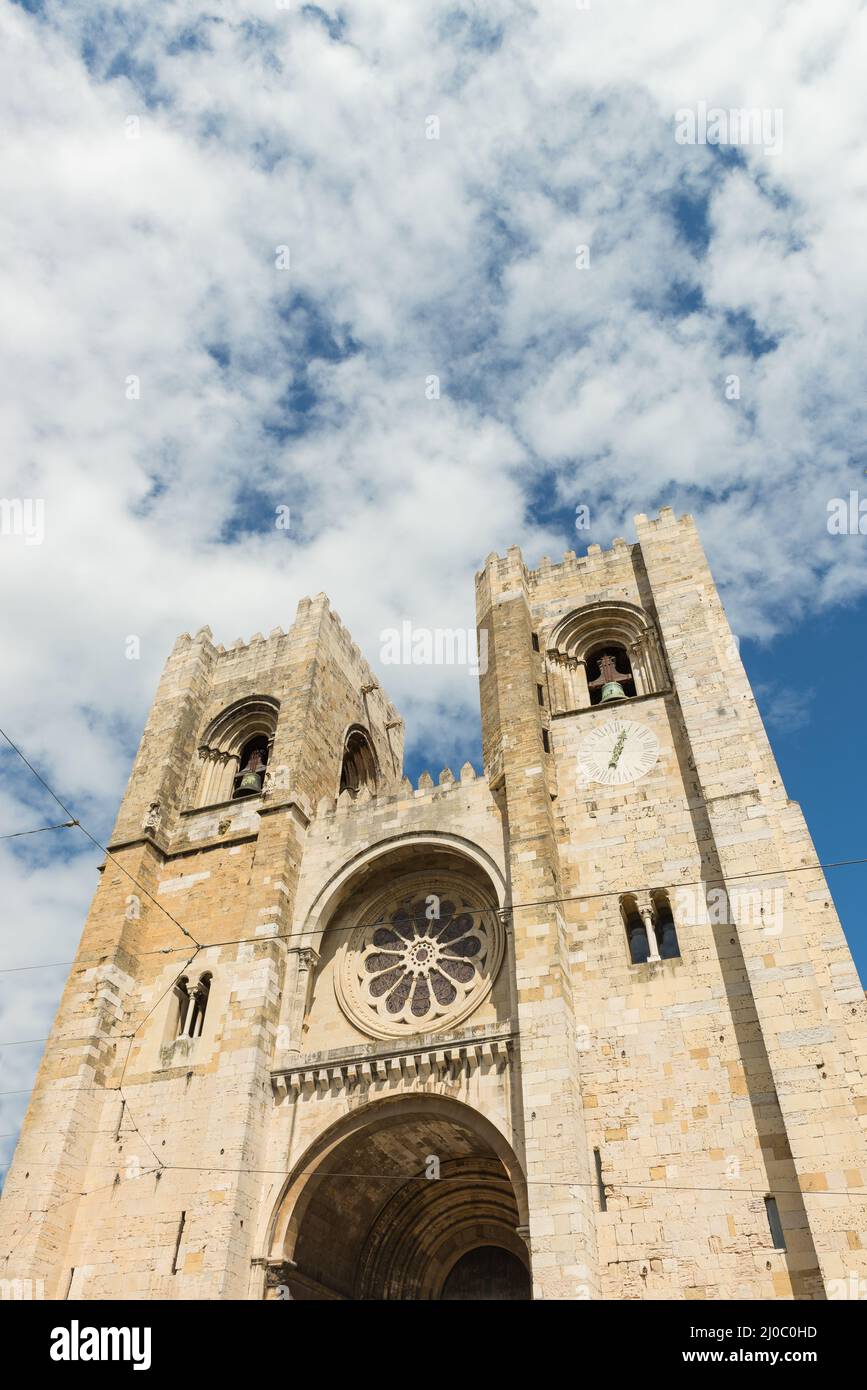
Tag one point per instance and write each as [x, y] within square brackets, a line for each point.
[420, 959]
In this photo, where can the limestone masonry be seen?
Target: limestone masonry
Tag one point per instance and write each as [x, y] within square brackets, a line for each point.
[581, 1025]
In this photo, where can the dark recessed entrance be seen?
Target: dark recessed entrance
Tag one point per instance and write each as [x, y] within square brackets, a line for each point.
[489, 1272]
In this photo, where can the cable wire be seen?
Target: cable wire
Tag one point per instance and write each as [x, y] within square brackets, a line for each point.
[590, 1185]
[469, 912]
[507, 908]
[92, 838]
[16, 834]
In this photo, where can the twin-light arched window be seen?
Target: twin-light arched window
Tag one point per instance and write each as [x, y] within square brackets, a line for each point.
[191, 1003]
[650, 929]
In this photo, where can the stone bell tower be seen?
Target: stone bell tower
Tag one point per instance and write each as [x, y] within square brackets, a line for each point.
[135, 1174]
[693, 1035]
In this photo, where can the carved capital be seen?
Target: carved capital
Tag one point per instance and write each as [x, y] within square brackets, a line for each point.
[308, 958]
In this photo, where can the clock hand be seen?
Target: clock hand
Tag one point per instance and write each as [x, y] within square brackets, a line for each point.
[617, 749]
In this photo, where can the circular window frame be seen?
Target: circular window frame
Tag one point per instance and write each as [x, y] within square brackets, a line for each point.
[372, 914]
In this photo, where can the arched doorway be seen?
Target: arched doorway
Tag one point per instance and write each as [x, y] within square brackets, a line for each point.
[416, 1197]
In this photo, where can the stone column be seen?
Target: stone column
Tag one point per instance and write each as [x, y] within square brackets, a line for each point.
[648, 917]
[580, 688]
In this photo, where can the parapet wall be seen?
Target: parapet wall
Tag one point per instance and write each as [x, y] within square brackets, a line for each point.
[554, 588]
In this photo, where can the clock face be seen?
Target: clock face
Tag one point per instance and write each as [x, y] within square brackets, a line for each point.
[619, 751]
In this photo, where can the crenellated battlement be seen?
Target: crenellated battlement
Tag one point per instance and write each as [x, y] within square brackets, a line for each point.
[426, 789]
[503, 571]
[272, 650]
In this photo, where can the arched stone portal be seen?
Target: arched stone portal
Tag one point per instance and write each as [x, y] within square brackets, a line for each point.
[361, 1218]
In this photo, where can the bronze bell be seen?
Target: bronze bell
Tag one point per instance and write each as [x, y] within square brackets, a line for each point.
[252, 774]
[612, 690]
[609, 679]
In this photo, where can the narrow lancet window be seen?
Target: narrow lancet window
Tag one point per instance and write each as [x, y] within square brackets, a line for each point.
[636, 931]
[666, 932]
[775, 1225]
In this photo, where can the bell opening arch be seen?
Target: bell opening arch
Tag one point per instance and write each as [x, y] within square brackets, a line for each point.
[359, 767]
[239, 740]
[620, 631]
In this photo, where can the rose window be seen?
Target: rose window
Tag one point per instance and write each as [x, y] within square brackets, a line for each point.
[422, 960]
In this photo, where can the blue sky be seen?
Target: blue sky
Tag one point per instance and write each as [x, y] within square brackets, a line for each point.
[805, 684]
[233, 258]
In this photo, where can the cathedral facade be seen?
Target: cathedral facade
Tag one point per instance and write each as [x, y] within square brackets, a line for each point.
[580, 1025]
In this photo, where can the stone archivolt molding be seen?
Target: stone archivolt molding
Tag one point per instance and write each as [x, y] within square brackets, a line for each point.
[223, 742]
[425, 1227]
[457, 1060]
[584, 631]
[401, 971]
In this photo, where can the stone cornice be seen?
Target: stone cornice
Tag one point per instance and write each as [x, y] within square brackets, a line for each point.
[437, 1055]
[294, 807]
[613, 705]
